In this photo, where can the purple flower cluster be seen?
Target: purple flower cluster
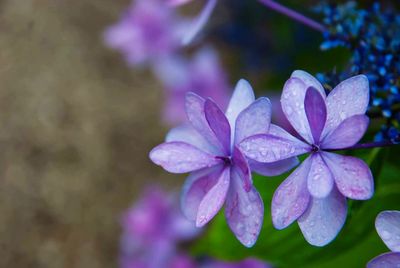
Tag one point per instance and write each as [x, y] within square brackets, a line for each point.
[220, 150]
[388, 226]
[154, 228]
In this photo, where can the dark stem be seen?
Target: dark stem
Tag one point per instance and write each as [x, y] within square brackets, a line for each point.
[294, 15]
[366, 146]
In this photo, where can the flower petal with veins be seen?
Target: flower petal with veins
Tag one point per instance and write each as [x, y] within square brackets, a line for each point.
[352, 175]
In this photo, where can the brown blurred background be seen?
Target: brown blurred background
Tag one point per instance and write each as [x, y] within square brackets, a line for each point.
[76, 128]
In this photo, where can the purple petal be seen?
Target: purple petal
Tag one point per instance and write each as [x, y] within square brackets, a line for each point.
[309, 81]
[242, 97]
[214, 199]
[196, 115]
[199, 22]
[316, 112]
[291, 198]
[180, 157]
[196, 186]
[352, 176]
[349, 98]
[347, 133]
[292, 101]
[267, 148]
[386, 260]
[218, 124]
[324, 218]
[242, 168]
[187, 134]
[275, 168]
[388, 227]
[255, 119]
[244, 212]
[320, 180]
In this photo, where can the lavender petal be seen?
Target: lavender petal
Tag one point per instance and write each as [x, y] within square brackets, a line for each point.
[352, 176]
[291, 198]
[255, 119]
[387, 225]
[347, 133]
[324, 218]
[244, 212]
[214, 199]
[180, 157]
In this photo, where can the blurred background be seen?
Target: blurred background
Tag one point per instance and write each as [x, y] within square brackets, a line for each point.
[76, 129]
[77, 122]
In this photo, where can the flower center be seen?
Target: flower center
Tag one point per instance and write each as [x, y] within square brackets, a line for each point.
[227, 159]
[314, 148]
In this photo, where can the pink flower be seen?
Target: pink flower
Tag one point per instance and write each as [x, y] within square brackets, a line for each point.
[388, 227]
[147, 31]
[315, 193]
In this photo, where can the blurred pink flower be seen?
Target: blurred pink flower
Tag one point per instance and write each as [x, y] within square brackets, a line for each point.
[152, 229]
[147, 31]
[203, 75]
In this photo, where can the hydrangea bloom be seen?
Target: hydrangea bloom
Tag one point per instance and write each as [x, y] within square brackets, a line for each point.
[148, 30]
[220, 173]
[315, 193]
[388, 227]
[151, 231]
[199, 21]
[203, 74]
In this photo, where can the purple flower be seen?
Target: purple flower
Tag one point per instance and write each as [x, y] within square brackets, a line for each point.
[203, 74]
[148, 30]
[315, 193]
[220, 173]
[152, 229]
[198, 22]
[387, 225]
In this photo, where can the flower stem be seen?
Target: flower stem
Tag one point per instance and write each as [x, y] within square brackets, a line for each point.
[293, 15]
[366, 146]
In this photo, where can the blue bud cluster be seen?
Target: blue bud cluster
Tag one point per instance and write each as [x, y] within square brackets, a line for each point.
[373, 38]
